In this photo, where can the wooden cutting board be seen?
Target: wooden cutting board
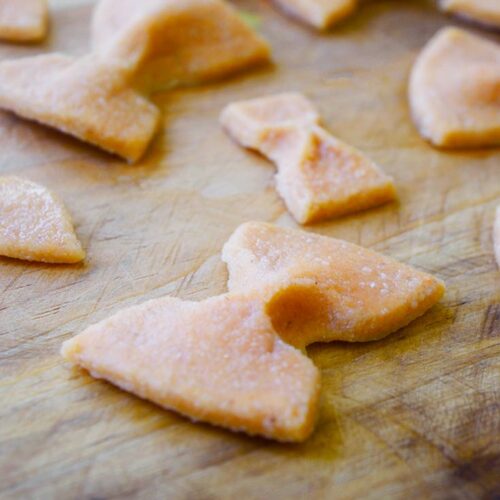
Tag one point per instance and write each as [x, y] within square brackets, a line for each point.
[412, 416]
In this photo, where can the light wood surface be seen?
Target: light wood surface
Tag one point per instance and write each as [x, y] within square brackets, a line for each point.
[412, 416]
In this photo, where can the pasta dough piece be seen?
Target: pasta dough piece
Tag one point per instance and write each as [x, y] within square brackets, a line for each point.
[320, 14]
[81, 98]
[35, 225]
[483, 11]
[165, 43]
[218, 361]
[360, 295]
[23, 20]
[319, 176]
[455, 90]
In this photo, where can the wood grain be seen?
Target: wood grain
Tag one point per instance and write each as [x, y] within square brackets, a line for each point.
[413, 416]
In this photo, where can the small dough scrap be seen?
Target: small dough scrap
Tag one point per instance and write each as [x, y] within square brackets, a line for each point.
[454, 90]
[35, 225]
[496, 236]
[23, 20]
[218, 361]
[167, 43]
[360, 295]
[486, 12]
[320, 14]
[82, 98]
[319, 176]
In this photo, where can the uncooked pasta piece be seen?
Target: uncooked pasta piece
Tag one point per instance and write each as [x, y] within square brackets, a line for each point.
[82, 98]
[319, 176]
[35, 225]
[482, 11]
[355, 294]
[320, 14]
[23, 20]
[218, 361]
[165, 43]
[454, 90]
